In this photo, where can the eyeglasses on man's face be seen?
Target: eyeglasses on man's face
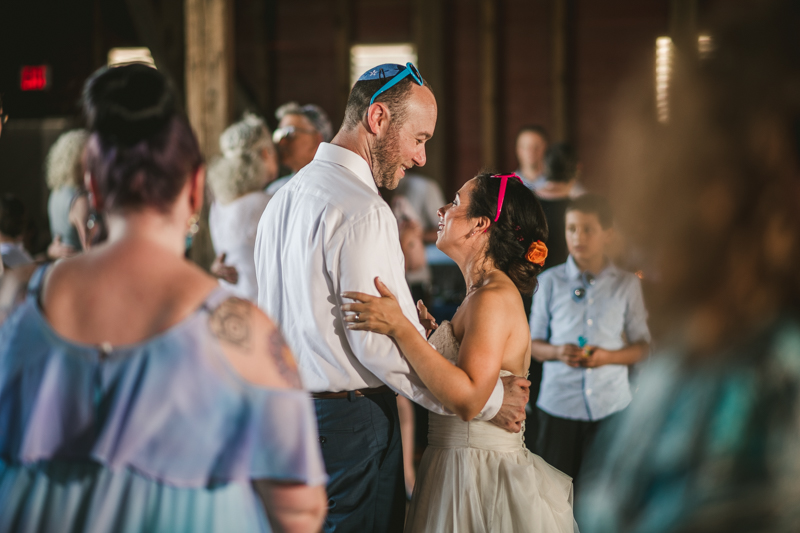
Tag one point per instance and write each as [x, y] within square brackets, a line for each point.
[289, 133]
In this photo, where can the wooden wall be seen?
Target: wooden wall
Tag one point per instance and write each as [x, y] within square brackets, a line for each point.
[609, 43]
[614, 47]
[299, 50]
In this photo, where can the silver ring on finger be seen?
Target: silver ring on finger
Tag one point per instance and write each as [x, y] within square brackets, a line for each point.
[358, 317]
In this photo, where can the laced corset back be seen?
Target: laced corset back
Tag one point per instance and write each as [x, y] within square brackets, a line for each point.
[452, 432]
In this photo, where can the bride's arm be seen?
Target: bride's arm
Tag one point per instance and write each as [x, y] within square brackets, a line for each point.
[463, 389]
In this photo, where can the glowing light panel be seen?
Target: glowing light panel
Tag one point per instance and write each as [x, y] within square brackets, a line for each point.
[126, 56]
[366, 56]
[705, 46]
[664, 58]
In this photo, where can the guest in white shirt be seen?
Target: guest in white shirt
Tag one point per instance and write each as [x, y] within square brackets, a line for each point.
[328, 231]
[235, 222]
[237, 183]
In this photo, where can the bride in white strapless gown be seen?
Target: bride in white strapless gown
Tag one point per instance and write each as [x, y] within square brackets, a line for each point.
[476, 477]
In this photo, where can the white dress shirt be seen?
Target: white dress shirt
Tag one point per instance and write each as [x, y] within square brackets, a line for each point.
[276, 185]
[325, 232]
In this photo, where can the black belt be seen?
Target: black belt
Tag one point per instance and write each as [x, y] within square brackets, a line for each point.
[360, 393]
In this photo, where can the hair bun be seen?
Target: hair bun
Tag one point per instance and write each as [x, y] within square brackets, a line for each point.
[128, 104]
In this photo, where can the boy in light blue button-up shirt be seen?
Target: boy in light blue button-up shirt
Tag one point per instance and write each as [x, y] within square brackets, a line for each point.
[588, 323]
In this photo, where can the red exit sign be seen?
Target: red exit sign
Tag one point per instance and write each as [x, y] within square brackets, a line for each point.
[34, 78]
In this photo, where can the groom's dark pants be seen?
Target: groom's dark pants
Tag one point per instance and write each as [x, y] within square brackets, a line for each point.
[360, 440]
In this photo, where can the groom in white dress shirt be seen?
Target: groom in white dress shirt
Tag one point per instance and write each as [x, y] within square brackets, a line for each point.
[328, 231]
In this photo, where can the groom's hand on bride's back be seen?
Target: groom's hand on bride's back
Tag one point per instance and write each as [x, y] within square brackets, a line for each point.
[512, 412]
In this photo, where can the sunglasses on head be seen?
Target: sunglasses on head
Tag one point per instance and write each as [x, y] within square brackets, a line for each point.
[502, 194]
[410, 70]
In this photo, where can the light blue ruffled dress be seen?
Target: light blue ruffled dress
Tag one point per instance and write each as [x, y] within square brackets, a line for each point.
[160, 436]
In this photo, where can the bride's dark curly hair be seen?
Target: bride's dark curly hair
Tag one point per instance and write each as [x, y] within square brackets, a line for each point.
[521, 223]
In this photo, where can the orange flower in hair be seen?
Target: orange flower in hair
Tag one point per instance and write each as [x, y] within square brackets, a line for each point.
[537, 253]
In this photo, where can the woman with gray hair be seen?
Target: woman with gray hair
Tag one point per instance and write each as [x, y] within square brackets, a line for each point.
[237, 181]
[68, 206]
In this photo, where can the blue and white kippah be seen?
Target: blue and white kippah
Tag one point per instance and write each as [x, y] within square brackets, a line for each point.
[394, 73]
[382, 72]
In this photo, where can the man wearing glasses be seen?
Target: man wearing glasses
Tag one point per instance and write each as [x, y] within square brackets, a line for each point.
[328, 231]
[300, 131]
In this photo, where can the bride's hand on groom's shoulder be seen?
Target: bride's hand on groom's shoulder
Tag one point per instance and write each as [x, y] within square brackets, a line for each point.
[380, 314]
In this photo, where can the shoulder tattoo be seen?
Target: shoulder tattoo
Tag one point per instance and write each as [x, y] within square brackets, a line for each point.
[282, 357]
[230, 322]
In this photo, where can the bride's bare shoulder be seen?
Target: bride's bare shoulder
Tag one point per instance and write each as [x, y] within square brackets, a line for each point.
[499, 300]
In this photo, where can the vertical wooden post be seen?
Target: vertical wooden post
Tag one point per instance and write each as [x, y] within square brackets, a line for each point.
[683, 30]
[209, 69]
[99, 52]
[260, 63]
[251, 28]
[151, 26]
[488, 73]
[428, 28]
[270, 35]
[683, 26]
[209, 87]
[560, 74]
[344, 39]
[148, 27]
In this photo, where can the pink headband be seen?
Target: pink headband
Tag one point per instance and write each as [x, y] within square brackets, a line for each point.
[501, 196]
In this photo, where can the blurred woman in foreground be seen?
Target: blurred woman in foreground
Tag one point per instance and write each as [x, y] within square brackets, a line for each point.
[711, 442]
[135, 393]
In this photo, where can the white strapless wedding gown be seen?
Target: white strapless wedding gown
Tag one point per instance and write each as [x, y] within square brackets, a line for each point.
[478, 478]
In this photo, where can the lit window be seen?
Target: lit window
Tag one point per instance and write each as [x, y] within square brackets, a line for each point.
[705, 46]
[664, 58]
[126, 56]
[365, 56]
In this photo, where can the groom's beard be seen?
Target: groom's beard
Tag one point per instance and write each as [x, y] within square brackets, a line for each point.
[386, 159]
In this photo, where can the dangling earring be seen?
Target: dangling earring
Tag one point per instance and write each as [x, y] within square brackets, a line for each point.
[194, 225]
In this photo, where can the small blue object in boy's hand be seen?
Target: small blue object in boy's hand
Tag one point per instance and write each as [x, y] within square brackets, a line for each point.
[581, 341]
